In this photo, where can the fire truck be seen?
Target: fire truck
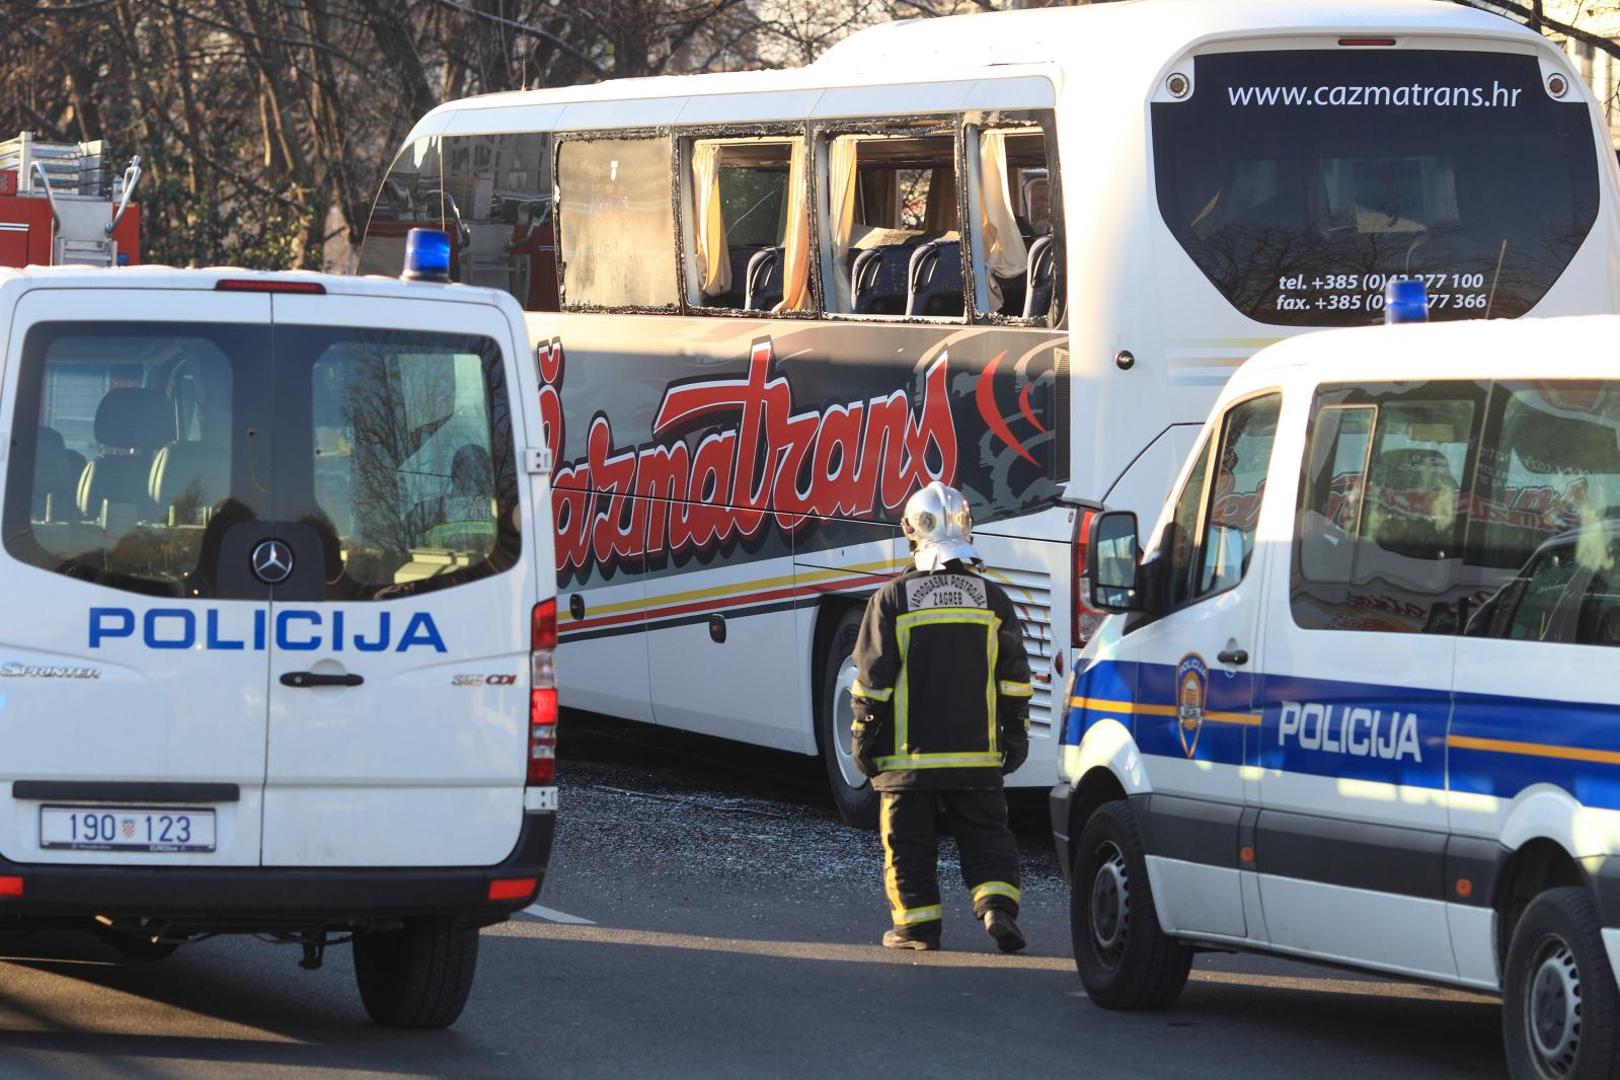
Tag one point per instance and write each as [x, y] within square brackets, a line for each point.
[61, 204]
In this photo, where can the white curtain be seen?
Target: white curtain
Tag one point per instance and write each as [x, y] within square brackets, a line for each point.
[841, 172]
[713, 256]
[797, 250]
[1004, 251]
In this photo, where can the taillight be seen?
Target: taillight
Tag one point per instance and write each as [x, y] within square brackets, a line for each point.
[1084, 620]
[542, 767]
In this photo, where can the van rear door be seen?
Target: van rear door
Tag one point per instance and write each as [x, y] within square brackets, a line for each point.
[399, 653]
[132, 659]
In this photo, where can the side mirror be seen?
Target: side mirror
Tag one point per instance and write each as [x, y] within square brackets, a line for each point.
[1113, 558]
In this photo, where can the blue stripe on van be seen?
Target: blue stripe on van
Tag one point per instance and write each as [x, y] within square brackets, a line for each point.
[1492, 744]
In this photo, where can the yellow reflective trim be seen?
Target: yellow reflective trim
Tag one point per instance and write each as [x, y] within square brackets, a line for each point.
[910, 916]
[1017, 689]
[898, 762]
[1133, 708]
[861, 691]
[891, 884]
[996, 888]
[933, 616]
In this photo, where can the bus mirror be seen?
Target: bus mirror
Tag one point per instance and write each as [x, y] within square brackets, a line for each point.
[1114, 559]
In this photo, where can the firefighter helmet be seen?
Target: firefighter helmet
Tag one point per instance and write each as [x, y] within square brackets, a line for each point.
[939, 525]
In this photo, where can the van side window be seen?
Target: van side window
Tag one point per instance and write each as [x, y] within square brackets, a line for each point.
[411, 197]
[1383, 503]
[892, 242]
[497, 203]
[747, 225]
[616, 223]
[1017, 244]
[1544, 522]
[1210, 540]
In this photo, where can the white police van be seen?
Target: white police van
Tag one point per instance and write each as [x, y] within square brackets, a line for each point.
[1359, 705]
[277, 617]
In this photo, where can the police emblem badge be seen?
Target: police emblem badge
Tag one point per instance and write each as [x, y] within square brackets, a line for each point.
[1192, 690]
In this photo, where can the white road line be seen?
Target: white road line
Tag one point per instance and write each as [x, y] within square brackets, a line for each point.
[551, 915]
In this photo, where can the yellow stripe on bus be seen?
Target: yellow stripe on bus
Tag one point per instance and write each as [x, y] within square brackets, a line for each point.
[650, 602]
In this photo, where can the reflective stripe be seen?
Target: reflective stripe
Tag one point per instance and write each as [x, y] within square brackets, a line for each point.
[862, 691]
[935, 616]
[908, 916]
[1017, 689]
[891, 884]
[996, 888]
[898, 762]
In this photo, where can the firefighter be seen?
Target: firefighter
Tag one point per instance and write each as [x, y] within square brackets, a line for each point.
[941, 704]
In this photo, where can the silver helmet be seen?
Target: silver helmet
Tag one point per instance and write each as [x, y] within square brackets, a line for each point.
[939, 525]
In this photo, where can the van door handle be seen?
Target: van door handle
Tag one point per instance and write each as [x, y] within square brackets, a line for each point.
[302, 679]
[1235, 657]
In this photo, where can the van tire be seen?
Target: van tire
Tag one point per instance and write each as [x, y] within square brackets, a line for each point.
[857, 803]
[1560, 1007]
[417, 976]
[1125, 960]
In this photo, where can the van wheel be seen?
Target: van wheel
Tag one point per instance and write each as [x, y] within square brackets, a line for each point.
[851, 792]
[1125, 960]
[418, 976]
[1560, 1008]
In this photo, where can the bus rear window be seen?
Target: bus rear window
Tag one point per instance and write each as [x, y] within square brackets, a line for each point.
[1301, 182]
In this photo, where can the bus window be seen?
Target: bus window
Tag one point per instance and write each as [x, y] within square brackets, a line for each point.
[616, 223]
[747, 227]
[497, 198]
[1017, 246]
[893, 240]
[1300, 181]
[412, 196]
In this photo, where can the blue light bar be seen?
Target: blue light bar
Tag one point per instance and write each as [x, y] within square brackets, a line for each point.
[427, 255]
[1406, 301]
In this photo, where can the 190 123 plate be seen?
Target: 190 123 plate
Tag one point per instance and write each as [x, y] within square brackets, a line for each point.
[126, 828]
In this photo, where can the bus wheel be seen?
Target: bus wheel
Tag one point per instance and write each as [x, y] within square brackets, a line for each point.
[1560, 1007]
[1125, 960]
[856, 801]
[419, 975]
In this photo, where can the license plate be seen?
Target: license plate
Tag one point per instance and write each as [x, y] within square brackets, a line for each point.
[123, 828]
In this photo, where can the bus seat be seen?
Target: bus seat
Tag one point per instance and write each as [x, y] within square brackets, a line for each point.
[1039, 278]
[131, 425]
[56, 477]
[764, 279]
[188, 480]
[878, 280]
[934, 279]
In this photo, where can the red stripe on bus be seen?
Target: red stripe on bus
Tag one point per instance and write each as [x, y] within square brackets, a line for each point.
[728, 602]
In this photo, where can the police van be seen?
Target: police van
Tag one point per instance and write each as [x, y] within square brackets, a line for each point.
[276, 619]
[1356, 703]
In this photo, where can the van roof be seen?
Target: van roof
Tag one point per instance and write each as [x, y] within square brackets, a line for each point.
[1568, 347]
[205, 279]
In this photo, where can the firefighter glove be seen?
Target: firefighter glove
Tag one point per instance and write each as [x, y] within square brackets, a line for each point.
[871, 727]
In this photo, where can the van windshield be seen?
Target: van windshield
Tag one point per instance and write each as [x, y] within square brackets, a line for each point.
[140, 447]
[1302, 182]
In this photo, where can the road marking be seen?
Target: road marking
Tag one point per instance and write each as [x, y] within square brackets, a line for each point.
[551, 915]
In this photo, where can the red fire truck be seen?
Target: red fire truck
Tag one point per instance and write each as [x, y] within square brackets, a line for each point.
[61, 204]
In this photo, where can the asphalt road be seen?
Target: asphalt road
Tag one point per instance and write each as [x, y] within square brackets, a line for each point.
[708, 916]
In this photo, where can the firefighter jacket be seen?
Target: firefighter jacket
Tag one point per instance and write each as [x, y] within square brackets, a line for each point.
[942, 684]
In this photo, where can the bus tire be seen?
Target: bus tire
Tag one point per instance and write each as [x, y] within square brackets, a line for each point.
[852, 794]
[1125, 960]
[419, 975]
[1560, 1007]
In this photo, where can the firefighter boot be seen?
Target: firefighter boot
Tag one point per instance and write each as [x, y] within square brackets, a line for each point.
[1002, 927]
[896, 939]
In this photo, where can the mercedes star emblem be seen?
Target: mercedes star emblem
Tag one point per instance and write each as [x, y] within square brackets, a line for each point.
[272, 562]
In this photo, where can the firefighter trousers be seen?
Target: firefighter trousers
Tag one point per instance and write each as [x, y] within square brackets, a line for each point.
[978, 819]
